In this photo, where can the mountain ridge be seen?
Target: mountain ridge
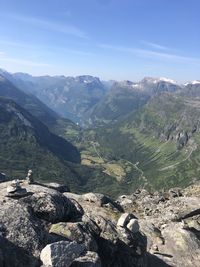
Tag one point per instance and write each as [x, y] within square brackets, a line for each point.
[86, 99]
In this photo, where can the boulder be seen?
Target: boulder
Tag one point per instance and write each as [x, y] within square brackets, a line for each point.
[61, 254]
[182, 246]
[20, 227]
[153, 233]
[102, 227]
[78, 232]
[51, 207]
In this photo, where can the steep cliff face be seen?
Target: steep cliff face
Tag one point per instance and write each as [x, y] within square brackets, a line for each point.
[49, 226]
[32, 104]
[24, 138]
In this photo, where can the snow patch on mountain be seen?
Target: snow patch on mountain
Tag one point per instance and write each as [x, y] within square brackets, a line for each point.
[193, 82]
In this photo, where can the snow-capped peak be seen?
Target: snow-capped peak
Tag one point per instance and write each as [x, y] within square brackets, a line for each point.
[193, 82]
[157, 80]
[135, 85]
[167, 80]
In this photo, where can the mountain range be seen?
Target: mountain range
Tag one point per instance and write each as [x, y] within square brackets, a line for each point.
[87, 100]
[126, 134]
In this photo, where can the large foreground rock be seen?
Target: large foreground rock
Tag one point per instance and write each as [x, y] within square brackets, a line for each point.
[181, 246]
[160, 229]
[77, 231]
[52, 207]
[61, 254]
[12, 255]
[21, 228]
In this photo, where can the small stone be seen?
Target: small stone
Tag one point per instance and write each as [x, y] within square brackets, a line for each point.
[163, 226]
[133, 226]
[52, 207]
[10, 189]
[29, 177]
[154, 248]
[124, 219]
[78, 232]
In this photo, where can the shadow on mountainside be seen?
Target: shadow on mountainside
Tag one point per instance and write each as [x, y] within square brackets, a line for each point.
[14, 256]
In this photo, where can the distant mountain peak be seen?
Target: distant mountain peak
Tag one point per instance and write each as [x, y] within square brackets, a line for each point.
[192, 82]
[157, 80]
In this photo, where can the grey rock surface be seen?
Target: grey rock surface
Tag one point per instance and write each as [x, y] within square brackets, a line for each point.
[51, 207]
[77, 231]
[59, 187]
[133, 226]
[160, 229]
[90, 259]
[60, 254]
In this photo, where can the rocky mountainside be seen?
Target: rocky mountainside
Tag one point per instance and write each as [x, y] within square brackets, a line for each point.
[191, 89]
[49, 226]
[27, 143]
[121, 100]
[25, 139]
[32, 104]
[156, 147]
[127, 97]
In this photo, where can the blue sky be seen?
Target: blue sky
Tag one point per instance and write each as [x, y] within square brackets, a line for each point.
[112, 39]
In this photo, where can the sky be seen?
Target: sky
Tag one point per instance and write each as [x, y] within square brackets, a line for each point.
[111, 39]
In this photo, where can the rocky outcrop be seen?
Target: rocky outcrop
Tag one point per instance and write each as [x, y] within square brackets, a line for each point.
[171, 223]
[50, 228]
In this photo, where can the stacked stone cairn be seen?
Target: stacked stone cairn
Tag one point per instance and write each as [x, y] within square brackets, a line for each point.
[15, 189]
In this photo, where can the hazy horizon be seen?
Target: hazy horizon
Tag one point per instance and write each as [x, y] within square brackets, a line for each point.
[113, 40]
